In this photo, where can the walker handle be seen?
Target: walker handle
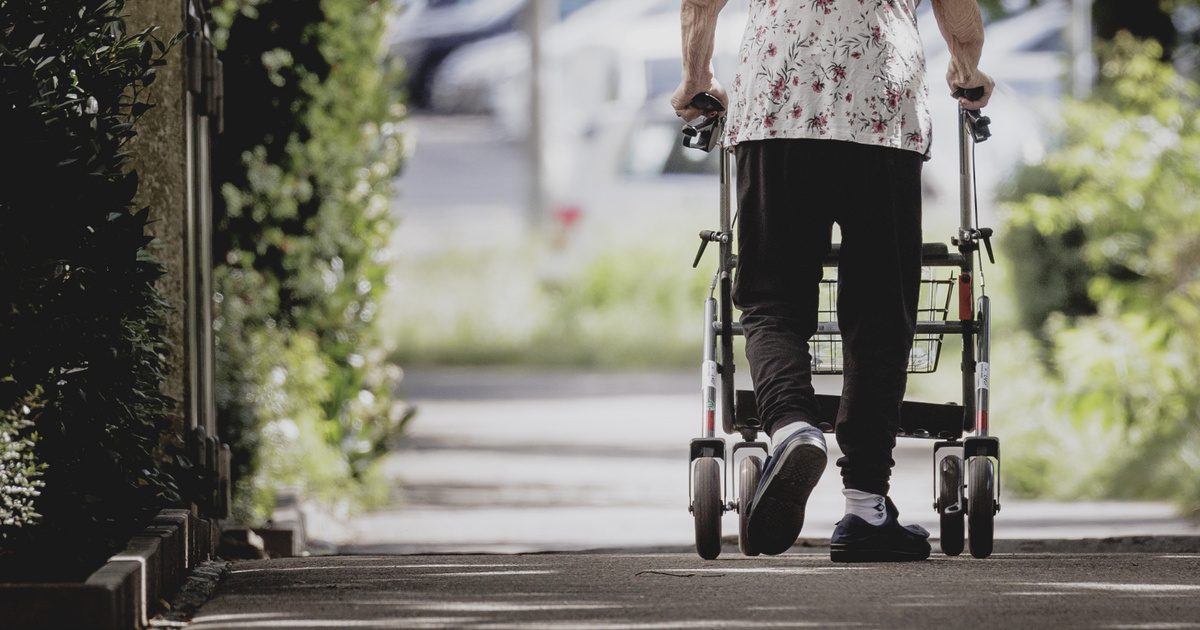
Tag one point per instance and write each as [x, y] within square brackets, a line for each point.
[971, 94]
[701, 132]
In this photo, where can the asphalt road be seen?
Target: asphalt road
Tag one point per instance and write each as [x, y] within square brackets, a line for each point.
[678, 590]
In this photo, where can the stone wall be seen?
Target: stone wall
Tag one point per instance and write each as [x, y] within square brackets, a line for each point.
[160, 156]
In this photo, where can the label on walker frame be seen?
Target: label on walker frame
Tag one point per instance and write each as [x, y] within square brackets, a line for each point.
[709, 375]
[983, 375]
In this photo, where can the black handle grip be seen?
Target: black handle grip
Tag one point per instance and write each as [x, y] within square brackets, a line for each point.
[971, 94]
[707, 103]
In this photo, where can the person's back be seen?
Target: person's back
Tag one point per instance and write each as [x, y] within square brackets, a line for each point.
[837, 69]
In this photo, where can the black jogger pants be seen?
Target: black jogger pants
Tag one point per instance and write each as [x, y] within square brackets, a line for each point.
[790, 193]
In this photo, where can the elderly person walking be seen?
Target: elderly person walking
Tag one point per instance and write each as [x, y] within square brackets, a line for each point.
[829, 122]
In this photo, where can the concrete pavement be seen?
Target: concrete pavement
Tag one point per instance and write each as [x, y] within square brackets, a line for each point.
[502, 461]
[678, 590]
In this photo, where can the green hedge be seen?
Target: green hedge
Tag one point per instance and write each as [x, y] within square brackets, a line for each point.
[84, 346]
[303, 222]
[1123, 378]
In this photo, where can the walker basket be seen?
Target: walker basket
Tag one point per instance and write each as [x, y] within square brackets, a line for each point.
[933, 306]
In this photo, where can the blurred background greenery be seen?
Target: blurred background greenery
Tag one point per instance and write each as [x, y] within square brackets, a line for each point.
[305, 392]
[546, 228]
[1096, 285]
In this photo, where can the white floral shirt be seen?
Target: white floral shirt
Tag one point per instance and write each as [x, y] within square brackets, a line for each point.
[836, 69]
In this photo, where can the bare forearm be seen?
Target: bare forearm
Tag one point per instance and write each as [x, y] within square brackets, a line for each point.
[699, 20]
[962, 28]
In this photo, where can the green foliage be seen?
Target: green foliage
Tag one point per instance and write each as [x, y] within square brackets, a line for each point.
[302, 223]
[1048, 270]
[1127, 177]
[84, 339]
[20, 473]
[624, 307]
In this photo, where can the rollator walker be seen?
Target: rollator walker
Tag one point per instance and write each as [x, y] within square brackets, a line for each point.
[966, 458]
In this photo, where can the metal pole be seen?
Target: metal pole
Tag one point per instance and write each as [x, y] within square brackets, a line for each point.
[538, 17]
[966, 178]
[1083, 60]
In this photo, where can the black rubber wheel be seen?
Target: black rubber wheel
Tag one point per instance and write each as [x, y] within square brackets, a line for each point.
[706, 507]
[949, 498]
[981, 510]
[748, 476]
[952, 533]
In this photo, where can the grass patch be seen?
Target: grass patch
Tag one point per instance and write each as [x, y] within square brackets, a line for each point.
[635, 307]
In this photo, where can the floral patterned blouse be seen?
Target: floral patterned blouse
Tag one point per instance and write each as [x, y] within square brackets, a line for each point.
[837, 69]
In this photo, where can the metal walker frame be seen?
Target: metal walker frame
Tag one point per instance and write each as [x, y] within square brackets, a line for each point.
[966, 469]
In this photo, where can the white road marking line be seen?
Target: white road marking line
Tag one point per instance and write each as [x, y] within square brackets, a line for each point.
[1155, 625]
[474, 573]
[412, 622]
[787, 570]
[1118, 587]
[658, 625]
[496, 606]
[381, 566]
[1039, 593]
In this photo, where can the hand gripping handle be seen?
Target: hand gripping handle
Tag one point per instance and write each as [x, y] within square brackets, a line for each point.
[701, 132]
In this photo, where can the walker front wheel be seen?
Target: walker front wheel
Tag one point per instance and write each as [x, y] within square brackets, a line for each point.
[748, 476]
[706, 506]
[981, 506]
[950, 502]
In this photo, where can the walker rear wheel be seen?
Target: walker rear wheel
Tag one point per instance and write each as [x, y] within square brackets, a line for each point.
[748, 476]
[950, 502]
[706, 506]
[981, 502]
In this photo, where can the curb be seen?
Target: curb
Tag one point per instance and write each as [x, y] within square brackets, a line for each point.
[125, 592]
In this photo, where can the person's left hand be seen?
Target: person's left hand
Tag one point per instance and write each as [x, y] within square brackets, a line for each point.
[957, 77]
[682, 99]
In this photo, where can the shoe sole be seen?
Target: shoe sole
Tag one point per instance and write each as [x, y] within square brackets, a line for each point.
[777, 515]
[841, 553]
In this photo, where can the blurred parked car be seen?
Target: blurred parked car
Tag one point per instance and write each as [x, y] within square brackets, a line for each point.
[614, 145]
[477, 75]
[428, 31]
[1027, 56]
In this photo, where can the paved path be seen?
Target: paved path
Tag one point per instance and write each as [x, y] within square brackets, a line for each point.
[677, 590]
[530, 461]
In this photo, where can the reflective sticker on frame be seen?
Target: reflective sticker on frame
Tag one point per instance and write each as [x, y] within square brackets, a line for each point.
[709, 376]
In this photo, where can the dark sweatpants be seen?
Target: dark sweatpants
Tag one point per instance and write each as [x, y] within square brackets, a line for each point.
[790, 192]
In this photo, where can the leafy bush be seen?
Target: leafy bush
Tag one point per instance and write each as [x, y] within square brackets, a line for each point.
[302, 223]
[20, 473]
[1126, 178]
[630, 305]
[84, 341]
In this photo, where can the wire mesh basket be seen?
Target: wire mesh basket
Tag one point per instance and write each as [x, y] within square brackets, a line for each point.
[933, 306]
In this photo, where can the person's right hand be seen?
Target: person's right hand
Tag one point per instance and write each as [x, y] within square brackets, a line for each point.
[681, 100]
[960, 78]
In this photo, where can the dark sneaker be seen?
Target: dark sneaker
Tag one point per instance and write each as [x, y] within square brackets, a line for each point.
[855, 540]
[788, 477]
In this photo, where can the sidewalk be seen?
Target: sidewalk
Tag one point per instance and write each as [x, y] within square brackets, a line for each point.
[656, 591]
[501, 461]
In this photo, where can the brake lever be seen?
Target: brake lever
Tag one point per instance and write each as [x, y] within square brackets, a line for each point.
[706, 237]
[985, 235]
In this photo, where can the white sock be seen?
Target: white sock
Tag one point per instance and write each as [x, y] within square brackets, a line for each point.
[783, 432]
[869, 507]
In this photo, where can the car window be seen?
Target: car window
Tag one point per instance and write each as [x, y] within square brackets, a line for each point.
[655, 149]
[1050, 42]
[448, 4]
[567, 7]
[662, 75]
